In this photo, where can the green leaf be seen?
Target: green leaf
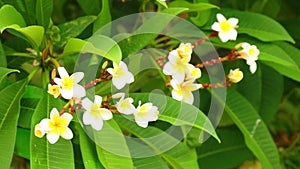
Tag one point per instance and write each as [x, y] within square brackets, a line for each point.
[22, 146]
[88, 150]
[192, 7]
[74, 28]
[104, 17]
[43, 12]
[9, 114]
[227, 154]
[175, 153]
[97, 44]
[44, 155]
[33, 34]
[3, 62]
[90, 7]
[5, 71]
[10, 16]
[257, 25]
[33, 92]
[256, 134]
[163, 3]
[149, 30]
[177, 113]
[111, 147]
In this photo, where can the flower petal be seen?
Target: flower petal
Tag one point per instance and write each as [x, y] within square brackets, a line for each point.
[123, 66]
[67, 94]
[177, 95]
[98, 100]
[111, 71]
[220, 17]
[216, 27]
[97, 124]
[54, 114]
[143, 124]
[188, 97]
[118, 83]
[78, 91]
[58, 81]
[105, 114]
[66, 119]
[62, 72]
[173, 56]
[224, 37]
[53, 136]
[78, 76]
[233, 21]
[66, 133]
[253, 67]
[86, 104]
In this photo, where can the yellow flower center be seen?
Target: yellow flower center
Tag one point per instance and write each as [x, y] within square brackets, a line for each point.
[119, 72]
[67, 83]
[225, 26]
[95, 110]
[125, 103]
[251, 51]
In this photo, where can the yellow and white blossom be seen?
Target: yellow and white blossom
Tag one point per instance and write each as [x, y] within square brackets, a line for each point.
[177, 66]
[250, 54]
[121, 75]
[235, 75]
[183, 91]
[185, 51]
[55, 126]
[39, 131]
[54, 90]
[145, 113]
[193, 73]
[226, 28]
[125, 106]
[94, 114]
[69, 86]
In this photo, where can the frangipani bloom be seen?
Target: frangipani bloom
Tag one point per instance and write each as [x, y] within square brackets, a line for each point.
[250, 54]
[235, 75]
[193, 73]
[177, 67]
[121, 75]
[183, 91]
[55, 126]
[226, 28]
[185, 51]
[125, 106]
[94, 114]
[69, 84]
[145, 113]
[54, 90]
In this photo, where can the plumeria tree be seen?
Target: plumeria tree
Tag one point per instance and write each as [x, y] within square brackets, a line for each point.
[162, 84]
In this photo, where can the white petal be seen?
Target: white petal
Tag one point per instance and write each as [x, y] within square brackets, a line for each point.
[175, 85]
[98, 100]
[177, 95]
[143, 124]
[67, 94]
[87, 118]
[45, 124]
[188, 97]
[66, 133]
[79, 91]
[220, 17]
[168, 69]
[110, 71]
[130, 77]
[86, 104]
[224, 37]
[54, 112]
[179, 77]
[253, 67]
[245, 45]
[216, 27]
[106, 114]
[68, 117]
[78, 76]
[123, 66]
[173, 56]
[97, 124]
[62, 72]
[118, 83]
[233, 21]
[57, 81]
[52, 137]
[233, 34]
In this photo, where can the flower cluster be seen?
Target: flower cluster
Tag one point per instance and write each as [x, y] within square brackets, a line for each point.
[96, 111]
[183, 73]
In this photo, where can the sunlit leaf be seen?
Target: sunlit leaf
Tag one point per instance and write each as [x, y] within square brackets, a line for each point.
[43, 12]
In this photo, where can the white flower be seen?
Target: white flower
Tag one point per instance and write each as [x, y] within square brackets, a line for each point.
[54, 90]
[183, 91]
[193, 73]
[250, 54]
[39, 131]
[121, 75]
[235, 75]
[94, 114]
[226, 28]
[69, 84]
[185, 51]
[145, 113]
[177, 66]
[125, 106]
[55, 126]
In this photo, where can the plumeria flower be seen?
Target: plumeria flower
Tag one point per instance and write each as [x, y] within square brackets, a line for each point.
[185, 51]
[250, 54]
[69, 84]
[125, 106]
[177, 66]
[183, 91]
[145, 113]
[193, 73]
[55, 126]
[39, 131]
[94, 114]
[235, 75]
[54, 90]
[121, 75]
[226, 28]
